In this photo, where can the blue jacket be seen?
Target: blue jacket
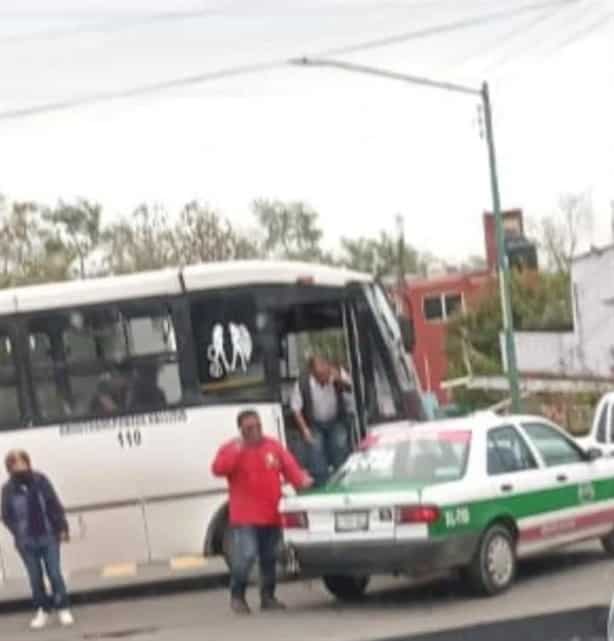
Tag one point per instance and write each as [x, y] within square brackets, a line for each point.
[15, 508]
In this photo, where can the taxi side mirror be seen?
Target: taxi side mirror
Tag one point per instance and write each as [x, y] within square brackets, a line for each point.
[593, 453]
[407, 333]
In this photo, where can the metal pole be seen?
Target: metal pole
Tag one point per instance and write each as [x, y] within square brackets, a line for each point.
[503, 262]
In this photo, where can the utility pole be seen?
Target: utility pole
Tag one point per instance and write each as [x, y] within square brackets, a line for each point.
[505, 285]
[401, 252]
[504, 273]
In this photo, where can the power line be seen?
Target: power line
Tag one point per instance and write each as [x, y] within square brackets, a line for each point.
[585, 31]
[202, 78]
[443, 28]
[105, 96]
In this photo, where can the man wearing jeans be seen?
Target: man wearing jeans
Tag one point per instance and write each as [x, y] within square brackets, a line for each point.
[254, 466]
[320, 413]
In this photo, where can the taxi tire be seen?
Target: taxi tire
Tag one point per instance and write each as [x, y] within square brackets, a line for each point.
[346, 587]
[478, 574]
[607, 542]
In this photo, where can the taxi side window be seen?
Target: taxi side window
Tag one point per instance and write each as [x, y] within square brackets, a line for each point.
[602, 424]
[554, 448]
[507, 452]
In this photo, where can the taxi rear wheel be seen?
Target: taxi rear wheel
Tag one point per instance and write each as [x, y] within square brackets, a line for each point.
[345, 587]
[493, 568]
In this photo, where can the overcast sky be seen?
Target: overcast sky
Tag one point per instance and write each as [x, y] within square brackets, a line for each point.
[358, 149]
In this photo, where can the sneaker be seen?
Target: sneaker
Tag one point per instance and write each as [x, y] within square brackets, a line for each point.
[66, 617]
[239, 606]
[40, 620]
[271, 603]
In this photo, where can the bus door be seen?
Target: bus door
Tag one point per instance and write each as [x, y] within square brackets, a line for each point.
[388, 391]
[312, 321]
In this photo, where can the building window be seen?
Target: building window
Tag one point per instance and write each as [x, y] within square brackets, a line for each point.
[442, 306]
[453, 304]
[433, 308]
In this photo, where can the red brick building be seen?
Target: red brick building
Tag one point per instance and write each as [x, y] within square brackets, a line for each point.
[430, 302]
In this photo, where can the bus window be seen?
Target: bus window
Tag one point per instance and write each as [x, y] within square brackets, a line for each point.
[102, 362]
[230, 354]
[10, 414]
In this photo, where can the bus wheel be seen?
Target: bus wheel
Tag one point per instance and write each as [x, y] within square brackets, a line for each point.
[346, 588]
[493, 568]
[227, 545]
[607, 543]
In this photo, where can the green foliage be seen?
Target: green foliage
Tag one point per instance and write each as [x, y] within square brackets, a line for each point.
[291, 230]
[540, 301]
[378, 256]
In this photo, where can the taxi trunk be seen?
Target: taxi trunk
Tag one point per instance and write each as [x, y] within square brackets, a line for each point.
[360, 532]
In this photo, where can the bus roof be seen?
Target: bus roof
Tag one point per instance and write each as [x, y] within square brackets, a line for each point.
[94, 291]
[263, 272]
[167, 282]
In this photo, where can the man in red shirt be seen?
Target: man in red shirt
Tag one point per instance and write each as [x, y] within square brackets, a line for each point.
[254, 466]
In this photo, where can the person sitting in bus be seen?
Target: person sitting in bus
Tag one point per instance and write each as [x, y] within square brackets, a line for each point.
[110, 396]
[319, 409]
[34, 515]
[144, 393]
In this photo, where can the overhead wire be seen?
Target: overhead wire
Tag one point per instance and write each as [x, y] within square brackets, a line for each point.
[230, 72]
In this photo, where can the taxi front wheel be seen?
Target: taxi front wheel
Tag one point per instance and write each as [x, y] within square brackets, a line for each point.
[494, 565]
[346, 588]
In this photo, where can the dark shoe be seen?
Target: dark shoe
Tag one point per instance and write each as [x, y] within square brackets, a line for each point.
[271, 604]
[239, 606]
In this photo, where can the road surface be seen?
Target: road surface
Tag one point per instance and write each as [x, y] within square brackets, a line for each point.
[574, 587]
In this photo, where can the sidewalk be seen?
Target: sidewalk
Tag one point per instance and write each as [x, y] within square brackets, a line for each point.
[114, 582]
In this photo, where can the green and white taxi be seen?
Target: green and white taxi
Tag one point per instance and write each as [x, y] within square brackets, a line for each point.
[476, 493]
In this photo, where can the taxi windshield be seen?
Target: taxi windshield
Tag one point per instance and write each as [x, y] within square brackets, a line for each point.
[428, 458]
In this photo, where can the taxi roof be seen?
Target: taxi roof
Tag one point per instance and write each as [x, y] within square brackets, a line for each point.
[477, 422]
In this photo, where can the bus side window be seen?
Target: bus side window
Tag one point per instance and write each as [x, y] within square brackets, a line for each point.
[230, 346]
[104, 361]
[10, 414]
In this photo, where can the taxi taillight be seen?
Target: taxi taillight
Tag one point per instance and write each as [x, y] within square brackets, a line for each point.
[294, 521]
[407, 514]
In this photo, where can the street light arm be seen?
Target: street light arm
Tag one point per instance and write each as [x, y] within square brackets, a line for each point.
[391, 75]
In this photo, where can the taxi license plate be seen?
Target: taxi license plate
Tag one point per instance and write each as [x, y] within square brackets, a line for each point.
[351, 521]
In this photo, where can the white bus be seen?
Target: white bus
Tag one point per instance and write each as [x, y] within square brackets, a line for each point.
[123, 388]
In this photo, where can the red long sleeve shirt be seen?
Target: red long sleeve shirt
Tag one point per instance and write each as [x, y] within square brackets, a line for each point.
[254, 474]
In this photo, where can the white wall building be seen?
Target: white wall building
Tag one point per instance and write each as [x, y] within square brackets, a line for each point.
[587, 351]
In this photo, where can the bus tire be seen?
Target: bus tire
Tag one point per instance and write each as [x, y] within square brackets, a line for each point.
[227, 544]
[493, 567]
[607, 542]
[346, 587]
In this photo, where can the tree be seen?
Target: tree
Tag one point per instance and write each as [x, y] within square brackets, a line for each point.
[291, 230]
[561, 234]
[76, 229]
[144, 242]
[201, 235]
[28, 251]
[378, 256]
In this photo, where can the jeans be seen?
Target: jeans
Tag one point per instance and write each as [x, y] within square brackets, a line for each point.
[251, 542]
[40, 556]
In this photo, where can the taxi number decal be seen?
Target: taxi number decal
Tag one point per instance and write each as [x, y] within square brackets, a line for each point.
[457, 517]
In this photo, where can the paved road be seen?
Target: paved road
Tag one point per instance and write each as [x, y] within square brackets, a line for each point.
[578, 583]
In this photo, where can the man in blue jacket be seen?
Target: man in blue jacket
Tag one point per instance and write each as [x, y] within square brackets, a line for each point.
[33, 513]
